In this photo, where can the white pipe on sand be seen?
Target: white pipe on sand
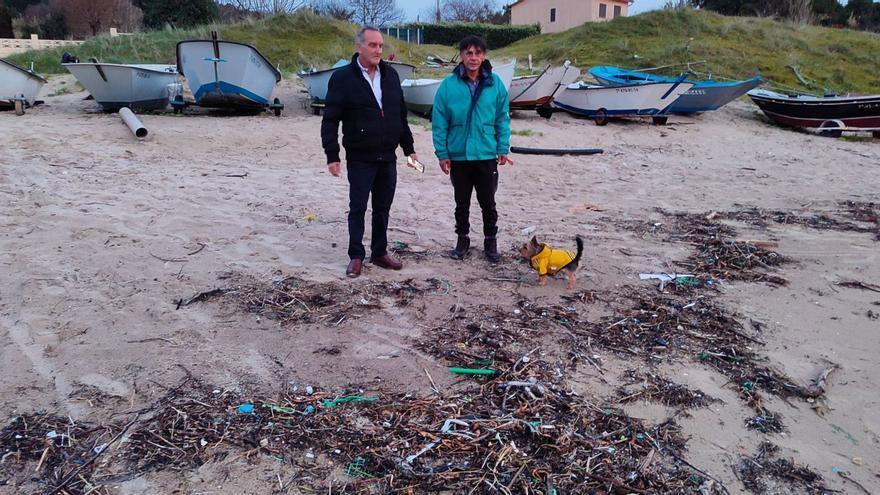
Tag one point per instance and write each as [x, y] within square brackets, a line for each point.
[132, 122]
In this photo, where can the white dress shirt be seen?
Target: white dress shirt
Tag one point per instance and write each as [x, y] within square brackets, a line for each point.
[375, 82]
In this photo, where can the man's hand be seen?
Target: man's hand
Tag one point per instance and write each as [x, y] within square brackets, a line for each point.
[415, 157]
[445, 165]
[502, 159]
[334, 169]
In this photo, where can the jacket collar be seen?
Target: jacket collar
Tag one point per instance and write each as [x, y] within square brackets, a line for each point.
[485, 72]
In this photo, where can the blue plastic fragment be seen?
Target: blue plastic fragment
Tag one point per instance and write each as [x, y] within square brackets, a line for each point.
[246, 408]
[309, 410]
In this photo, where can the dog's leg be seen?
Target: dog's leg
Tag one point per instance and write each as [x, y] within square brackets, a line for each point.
[542, 280]
[572, 279]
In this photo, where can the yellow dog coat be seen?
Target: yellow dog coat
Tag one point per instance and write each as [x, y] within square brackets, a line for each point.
[551, 260]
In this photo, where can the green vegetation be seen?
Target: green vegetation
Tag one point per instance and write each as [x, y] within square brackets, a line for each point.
[733, 47]
[290, 41]
[496, 36]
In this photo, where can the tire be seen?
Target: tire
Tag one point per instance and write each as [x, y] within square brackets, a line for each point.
[545, 112]
[277, 104]
[876, 134]
[19, 107]
[601, 117]
[832, 131]
[659, 120]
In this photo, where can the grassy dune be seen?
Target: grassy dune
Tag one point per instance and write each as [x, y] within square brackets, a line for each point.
[734, 47]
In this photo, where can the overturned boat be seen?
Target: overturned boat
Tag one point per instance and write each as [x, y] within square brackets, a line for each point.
[227, 74]
[530, 92]
[18, 87]
[603, 102]
[137, 86]
[704, 96]
[829, 115]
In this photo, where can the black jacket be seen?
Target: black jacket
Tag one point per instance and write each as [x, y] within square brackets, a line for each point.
[368, 133]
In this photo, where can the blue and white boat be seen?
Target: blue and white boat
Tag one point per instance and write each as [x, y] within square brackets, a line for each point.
[704, 96]
[626, 100]
[226, 74]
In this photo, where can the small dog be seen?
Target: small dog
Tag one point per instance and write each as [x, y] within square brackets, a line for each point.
[546, 260]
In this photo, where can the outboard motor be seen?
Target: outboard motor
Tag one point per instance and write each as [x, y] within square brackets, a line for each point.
[69, 58]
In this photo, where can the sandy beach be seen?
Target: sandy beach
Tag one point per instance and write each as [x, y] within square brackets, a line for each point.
[102, 236]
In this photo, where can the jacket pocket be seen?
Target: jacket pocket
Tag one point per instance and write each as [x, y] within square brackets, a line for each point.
[456, 140]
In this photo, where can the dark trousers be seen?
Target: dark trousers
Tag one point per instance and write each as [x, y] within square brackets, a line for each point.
[482, 176]
[364, 178]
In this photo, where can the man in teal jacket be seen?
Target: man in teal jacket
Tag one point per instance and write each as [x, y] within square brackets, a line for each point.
[471, 127]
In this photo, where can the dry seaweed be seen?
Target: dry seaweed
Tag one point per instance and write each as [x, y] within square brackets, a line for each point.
[652, 387]
[759, 471]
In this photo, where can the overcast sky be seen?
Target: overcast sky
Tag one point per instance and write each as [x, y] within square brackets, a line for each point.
[413, 8]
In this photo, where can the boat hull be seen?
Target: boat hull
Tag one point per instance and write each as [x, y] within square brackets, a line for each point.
[419, 94]
[704, 96]
[536, 91]
[630, 100]
[17, 83]
[139, 87]
[814, 112]
[225, 74]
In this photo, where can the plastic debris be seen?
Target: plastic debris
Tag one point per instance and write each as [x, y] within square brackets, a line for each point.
[356, 469]
[348, 398]
[472, 371]
[246, 409]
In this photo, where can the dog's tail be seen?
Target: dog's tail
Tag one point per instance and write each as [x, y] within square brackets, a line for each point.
[577, 259]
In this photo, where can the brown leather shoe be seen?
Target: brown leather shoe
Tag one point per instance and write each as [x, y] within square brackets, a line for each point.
[354, 268]
[387, 262]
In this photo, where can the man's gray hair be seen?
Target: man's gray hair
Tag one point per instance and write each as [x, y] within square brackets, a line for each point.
[364, 29]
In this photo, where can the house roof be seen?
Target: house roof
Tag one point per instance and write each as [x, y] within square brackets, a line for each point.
[514, 4]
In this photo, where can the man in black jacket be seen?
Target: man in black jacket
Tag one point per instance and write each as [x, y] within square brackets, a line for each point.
[366, 97]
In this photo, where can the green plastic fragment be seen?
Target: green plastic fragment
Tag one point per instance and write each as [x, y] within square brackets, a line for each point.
[748, 386]
[280, 409]
[356, 469]
[689, 281]
[348, 398]
[472, 371]
[703, 356]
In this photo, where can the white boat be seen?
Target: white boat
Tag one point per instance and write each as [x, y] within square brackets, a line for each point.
[317, 81]
[18, 87]
[226, 74]
[137, 86]
[537, 91]
[419, 93]
[602, 102]
[505, 72]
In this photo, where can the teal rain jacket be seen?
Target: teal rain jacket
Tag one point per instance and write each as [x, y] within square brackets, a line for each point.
[467, 127]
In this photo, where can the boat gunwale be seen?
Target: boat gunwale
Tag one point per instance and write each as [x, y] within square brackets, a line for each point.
[127, 66]
[25, 71]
